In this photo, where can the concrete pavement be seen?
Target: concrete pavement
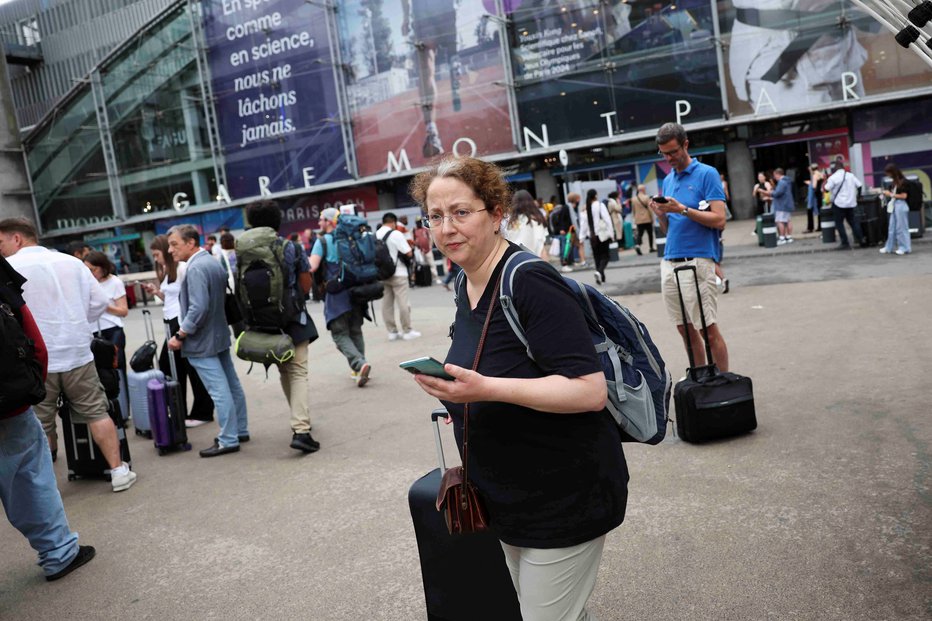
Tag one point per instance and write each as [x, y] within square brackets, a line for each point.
[824, 513]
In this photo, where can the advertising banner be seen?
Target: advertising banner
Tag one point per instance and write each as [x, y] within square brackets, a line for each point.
[276, 104]
[303, 213]
[207, 223]
[425, 78]
[597, 68]
[788, 55]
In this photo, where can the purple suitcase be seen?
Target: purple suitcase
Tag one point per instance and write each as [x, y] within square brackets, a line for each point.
[167, 412]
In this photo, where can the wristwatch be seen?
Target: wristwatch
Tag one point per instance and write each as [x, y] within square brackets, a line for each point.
[685, 210]
[180, 337]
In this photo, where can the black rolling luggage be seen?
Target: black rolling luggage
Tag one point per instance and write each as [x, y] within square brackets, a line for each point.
[82, 453]
[465, 576]
[710, 404]
[423, 276]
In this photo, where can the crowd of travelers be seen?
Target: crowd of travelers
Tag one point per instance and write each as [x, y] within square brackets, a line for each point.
[525, 391]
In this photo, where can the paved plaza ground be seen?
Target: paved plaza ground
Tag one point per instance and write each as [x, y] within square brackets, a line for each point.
[825, 512]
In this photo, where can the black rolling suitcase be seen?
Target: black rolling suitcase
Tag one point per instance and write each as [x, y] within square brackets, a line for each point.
[81, 452]
[710, 404]
[465, 576]
[423, 276]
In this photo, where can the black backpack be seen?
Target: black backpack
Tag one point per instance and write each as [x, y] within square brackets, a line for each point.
[21, 382]
[383, 257]
[914, 195]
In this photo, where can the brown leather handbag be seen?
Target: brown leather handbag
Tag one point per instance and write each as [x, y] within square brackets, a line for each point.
[458, 498]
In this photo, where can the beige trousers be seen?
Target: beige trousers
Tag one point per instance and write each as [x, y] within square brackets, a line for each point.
[396, 294]
[555, 584]
[293, 376]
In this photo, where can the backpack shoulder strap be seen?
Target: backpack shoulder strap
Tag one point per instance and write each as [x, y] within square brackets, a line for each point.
[506, 293]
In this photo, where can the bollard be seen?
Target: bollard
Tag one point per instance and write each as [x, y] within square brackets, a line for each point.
[827, 222]
[769, 230]
[660, 240]
[759, 229]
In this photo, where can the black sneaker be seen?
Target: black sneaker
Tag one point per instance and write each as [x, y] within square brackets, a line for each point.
[637, 249]
[84, 555]
[304, 442]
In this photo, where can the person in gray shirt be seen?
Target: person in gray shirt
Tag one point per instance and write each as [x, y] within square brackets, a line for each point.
[204, 338]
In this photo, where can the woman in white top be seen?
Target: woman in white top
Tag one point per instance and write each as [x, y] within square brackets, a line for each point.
[596, 225]
[110, 324]
[170, 275]
[526, 226]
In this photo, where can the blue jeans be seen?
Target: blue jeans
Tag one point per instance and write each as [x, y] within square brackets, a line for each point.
[220, 378]
[898, 229]
[30, 493]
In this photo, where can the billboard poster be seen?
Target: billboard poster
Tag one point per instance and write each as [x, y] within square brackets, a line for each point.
[424, 78]
[598, 68]
[788, 55]
[207, 223]
[275, 96]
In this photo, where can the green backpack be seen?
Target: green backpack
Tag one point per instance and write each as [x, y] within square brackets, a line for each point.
[267, 301]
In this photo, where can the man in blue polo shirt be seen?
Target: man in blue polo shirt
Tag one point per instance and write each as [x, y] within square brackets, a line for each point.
[692, 214]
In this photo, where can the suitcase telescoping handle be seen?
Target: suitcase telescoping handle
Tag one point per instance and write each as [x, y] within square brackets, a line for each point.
[147, 321]
[705, 328]
[171, 354]
[439, 413]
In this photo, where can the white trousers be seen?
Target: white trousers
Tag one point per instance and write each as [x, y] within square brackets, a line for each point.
[555, 584]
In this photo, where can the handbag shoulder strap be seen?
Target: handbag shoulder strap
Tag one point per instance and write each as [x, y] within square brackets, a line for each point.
[475, 365]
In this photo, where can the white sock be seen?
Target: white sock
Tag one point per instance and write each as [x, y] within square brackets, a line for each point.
[121, 470]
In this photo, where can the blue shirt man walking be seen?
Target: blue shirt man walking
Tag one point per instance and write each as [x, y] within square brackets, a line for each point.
[691, 213]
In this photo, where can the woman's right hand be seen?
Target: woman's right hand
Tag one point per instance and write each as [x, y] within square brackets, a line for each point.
[151, 288]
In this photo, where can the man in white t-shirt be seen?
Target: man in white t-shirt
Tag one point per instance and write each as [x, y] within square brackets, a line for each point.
[64, 298]
[843, 187]
[396, 287]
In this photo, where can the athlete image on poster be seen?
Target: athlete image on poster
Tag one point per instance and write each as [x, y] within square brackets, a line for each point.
[425, 77]
[785, 55]
[597, 68]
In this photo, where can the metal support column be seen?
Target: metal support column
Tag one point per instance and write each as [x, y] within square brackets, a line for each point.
[207, 92]
[503, 47]
[720, 57]
[339, 78]
[106, 145]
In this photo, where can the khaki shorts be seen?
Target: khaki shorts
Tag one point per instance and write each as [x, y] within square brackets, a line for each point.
[705, 269]
[84, 392]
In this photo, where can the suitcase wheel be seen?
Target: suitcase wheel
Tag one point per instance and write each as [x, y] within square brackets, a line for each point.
[186, 447]
[72, 477]
[163, 452]
[144, 434]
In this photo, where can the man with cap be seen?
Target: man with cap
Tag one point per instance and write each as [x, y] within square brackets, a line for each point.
[343, 316]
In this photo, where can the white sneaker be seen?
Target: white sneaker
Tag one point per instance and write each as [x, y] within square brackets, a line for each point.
[354, 375]
[410, 335]
[191, 423]
[566, 269]
[790, 240]
[121, 482]
[393, 336]
[900, 251]
[781, 241]
[884, 251]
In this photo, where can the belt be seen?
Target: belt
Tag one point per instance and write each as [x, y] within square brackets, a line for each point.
[682, 259]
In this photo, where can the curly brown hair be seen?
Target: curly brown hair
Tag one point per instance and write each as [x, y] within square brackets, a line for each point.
[486, 180]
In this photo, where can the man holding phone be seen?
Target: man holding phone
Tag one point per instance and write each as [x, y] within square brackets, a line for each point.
[691, 212]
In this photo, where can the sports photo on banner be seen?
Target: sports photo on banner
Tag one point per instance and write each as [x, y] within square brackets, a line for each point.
[786, 55]
[592, 68]
[425, 77]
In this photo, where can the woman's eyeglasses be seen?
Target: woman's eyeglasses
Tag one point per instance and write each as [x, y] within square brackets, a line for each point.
[459, 216]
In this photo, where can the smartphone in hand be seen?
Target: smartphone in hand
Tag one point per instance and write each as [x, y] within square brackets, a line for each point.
[659, 199]
[427, 366]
